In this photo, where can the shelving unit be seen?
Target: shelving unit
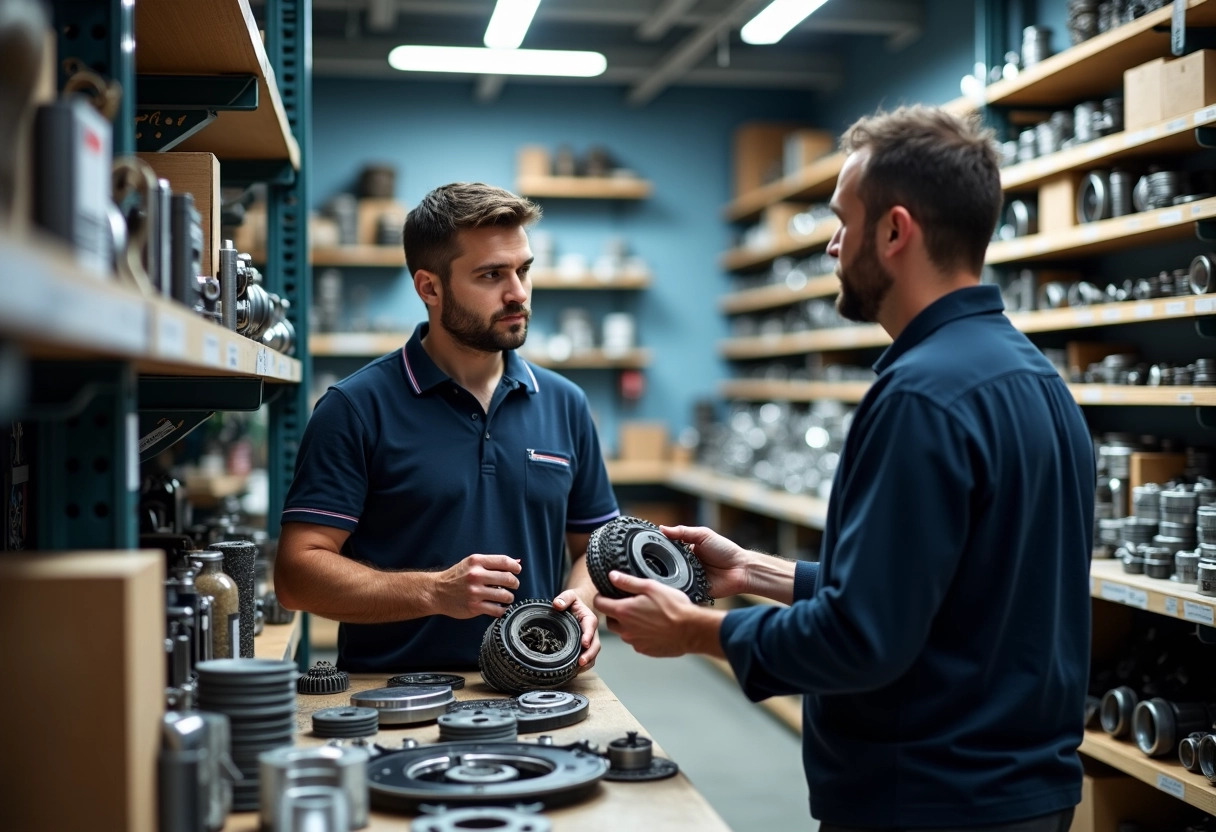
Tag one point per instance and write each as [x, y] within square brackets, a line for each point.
[1163, 773]
[588, 282]
[356, 344]
[635, 359]
[793, 391]
[358, 256]
[815, 181]
[746, 259]
[699, 481]
[797, 343]
[770, 297]
[583, 187]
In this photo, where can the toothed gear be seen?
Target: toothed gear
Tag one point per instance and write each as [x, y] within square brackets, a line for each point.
[532, 647]
[323, 677]
[275, 613]
[637, 547]
[452, 680]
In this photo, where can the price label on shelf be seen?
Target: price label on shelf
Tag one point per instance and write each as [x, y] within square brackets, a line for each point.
[1205, 305]
[1170, 217]
[1137, 137]
[1170, 785]
[1175, 307]
[234, 356]
[1114, 592]
[1137, 598]
[1205, 115]
[1112, 314]
[283, 370]
[1133, 224]
[1145, 310]
[170, 335]
[1199, 613]
[1084, 317]
[1186, 398]
[211, 350]
[1177, 124]
[261, 361]
[1171, 606]
[1091, 396]
[1089, 233]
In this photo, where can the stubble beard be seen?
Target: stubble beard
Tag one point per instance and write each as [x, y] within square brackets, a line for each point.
[467, 329]
[863, 285]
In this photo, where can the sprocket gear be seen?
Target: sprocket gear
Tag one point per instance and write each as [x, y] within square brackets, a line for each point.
[637, 547]
[532, 647]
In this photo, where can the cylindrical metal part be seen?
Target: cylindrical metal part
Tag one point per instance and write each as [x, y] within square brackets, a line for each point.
[282, 769]
[631, 752]
[1158, 724]
[1116, 710]
[228, 289]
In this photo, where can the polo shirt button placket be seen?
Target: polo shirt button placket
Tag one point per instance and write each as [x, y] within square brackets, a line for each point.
[474, 416]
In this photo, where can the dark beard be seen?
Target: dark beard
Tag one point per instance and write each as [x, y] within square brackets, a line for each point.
[467, 329]
[863, 285]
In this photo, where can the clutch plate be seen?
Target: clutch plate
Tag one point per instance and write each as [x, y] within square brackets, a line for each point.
[535, 711]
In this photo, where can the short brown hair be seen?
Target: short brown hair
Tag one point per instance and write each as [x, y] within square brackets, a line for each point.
[944, 169]
[431, 227]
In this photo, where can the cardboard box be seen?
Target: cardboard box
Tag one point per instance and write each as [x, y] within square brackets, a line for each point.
[533, 161]
[198, 174]
[1142, 95]
[801, 147]
[1154, 466]
[758, 154]
[83, 615]
[368, 219]
[643, 440]
[1081, 354]
[1058, 202]
[1188, 83]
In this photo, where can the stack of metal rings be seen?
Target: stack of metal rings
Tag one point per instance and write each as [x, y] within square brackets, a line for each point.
[1036, 45]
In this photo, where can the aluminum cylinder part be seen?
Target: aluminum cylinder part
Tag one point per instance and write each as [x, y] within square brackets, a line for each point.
[1202, 275]
[1093, 197]
[631, 752]
[1121, 185]
[1083, 119]
[1160, 568]
[340, 767]
[228, 287]
[1186, 567]
[312, 808]
[1207, 578]
[1036, 45]
[1188, 750]
[1207, 757]
[1116, 710]
[406, 705]
[1159, 724]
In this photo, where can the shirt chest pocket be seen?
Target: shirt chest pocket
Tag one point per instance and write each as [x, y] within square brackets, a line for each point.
[548, 475]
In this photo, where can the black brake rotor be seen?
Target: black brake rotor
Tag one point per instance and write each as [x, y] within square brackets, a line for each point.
[637, 547]
[452, 680]
[533, 646]
[539, 710]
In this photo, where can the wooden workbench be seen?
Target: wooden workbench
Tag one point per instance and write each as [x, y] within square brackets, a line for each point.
[657, 806]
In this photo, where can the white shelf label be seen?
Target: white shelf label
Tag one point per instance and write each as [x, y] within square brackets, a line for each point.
[1114, 592]
[1169, 785]
[1175, 307]
[1137, 598]
[1174, 125]
[211, 349]
[1112, 314]
[1199, 613]
[1170, 217]
[1090, 233]
[1171, 606]
[1204, 115]
[1133, 224]
[1186, 398]
[283, 370]
[234, 356]
[1093, 397]
[1203, 305]
[1199, 208]
[1084, 317]
[170, 336]
[1138, 137]
[261, 361]
[1145, 310]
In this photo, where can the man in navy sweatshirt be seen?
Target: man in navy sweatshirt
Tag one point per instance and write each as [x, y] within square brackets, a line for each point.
[942, 640]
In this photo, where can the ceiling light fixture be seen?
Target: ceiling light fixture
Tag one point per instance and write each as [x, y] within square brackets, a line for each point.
[776, 20]
[474, 59]
[509, 23]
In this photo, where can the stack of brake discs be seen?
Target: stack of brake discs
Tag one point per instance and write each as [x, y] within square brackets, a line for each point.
[478, 725]
[346, 723]
[406, 705]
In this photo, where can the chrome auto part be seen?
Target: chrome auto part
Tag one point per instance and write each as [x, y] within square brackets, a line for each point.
[405, 706]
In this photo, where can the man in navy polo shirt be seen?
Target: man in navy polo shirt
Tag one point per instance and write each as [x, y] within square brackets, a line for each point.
[445, 480]
[942, 641]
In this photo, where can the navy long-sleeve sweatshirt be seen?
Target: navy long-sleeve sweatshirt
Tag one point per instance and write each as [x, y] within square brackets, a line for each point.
[942, 641]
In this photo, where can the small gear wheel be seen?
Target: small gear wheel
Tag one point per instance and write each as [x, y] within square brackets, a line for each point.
[274, 612]
[637, 547]
[323, 677]
[532, 647]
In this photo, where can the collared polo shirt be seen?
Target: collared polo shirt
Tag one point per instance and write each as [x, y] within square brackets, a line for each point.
[406, 460]
[943, 641]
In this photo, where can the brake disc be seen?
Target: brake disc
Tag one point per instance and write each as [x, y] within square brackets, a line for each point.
[482, 817]
[478, 725]
[535, 711]
[452, 680]
[637, 547]
[406, 706]
[532, 646]
[483, 773]
[346, 722]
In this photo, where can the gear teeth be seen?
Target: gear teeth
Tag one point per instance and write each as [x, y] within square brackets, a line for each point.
[608, 550]
[323, 677]
[505, 670]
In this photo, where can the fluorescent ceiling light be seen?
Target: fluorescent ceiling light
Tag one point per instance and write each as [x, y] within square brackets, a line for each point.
[777, 18]
[509, 23]
[474, 59]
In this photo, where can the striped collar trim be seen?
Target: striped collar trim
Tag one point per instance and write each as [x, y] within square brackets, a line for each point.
[421, 373]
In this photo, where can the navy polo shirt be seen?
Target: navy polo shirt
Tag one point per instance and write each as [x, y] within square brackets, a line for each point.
[405, 459]
[943, 639]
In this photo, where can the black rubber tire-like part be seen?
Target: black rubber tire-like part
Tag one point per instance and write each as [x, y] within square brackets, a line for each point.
[621, 544]
[510, 666]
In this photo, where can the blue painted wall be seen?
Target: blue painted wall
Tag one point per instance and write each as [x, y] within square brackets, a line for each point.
[434, 133]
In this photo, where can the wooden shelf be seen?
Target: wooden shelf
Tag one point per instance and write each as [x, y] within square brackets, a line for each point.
[769, 297]
[1164, 773]
[1091, 69]
[377, 256]
[583, 187]
[699, 481]
[638, 471]
[1127, 394]
[746, 259]
[1145, 228]
[218, 37]
[815, 181]
[1108, 314]
[1169, 137]
[1108, 581]
[55, 310]
[635, 359]
[355, 344]
[796, 343]
[794, 391]
[554, 280]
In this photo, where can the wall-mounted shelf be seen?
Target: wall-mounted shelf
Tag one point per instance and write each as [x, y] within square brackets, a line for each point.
[796, 343]
[1173, 136]
[794, 508]
[376, 256]
[769, 297]
[635, 359]
[1094, 67]
[1107, 314]
[57, 311]
[746, 259]
[1164, 773]
[1108, 581]
[356, 344]
[218, 37]
[584, 187]
[1126, 394]
[555, 280]
[793, 391]
[638, 471]
[1145, 228]
[815, 181]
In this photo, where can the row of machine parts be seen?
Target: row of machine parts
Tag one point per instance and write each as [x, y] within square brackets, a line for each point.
[1028, 290]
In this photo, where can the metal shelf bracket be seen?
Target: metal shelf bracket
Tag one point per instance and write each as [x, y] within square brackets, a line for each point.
[172, 108]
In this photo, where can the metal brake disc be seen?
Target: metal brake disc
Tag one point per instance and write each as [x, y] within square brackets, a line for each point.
[637, 547]
[483, 773]
[532, 646]
[535, 711]
[478, 725]
[482, 817]
[345, 722]
[406, 705]
[452, 680]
